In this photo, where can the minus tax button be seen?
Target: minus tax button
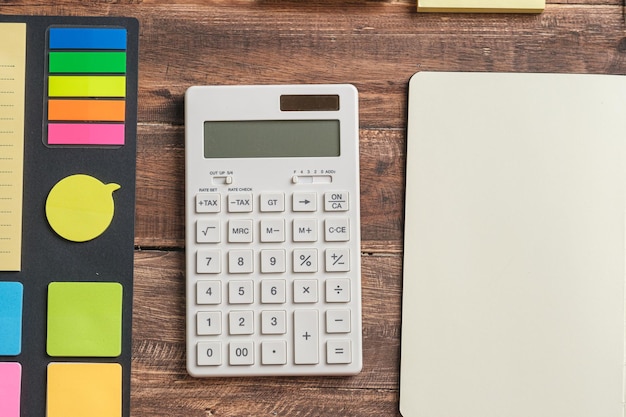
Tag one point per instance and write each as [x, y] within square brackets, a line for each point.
[208, 203]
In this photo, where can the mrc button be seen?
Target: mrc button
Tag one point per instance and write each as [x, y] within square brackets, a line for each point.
[336, 201]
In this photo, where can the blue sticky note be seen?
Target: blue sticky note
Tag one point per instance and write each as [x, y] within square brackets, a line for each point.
[11, 296]
[87, 38]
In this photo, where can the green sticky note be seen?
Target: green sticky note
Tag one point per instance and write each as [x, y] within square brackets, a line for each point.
[84, 319]
[87, 62]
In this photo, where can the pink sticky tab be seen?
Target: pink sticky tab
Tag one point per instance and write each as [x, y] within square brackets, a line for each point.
[85, 134]
[10, 388]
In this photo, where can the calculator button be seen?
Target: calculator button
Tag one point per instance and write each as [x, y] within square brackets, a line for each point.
[274, 352]
[305, 260]
[337, 260]
[240, 202]
[208, 262]
[272, 202]
[306, 338]
[337, 230]
[338, 321]
[208, 203]
[274, 322]
[305, 291]
[241, 353]
[337, 290]
[241, 292]
[240, 231]
[336, 201]
[240, 261]
[209, 323]
[209, 353]
[304, 230]
[273, 291]
[208, 292]
[304, 201]
[338, 351]
[207, 231]
[273, 261]
[272, 230]
[241, 322]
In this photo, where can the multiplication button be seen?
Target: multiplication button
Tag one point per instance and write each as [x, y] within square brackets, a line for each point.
[208, 203]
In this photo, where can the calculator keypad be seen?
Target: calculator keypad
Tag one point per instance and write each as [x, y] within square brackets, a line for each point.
[274, 284]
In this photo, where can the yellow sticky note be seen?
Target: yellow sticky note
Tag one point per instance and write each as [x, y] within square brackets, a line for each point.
[12, 92]
[481, 6]
[84, 389]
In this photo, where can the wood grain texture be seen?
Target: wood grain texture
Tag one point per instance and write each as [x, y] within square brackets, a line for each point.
[377, 46]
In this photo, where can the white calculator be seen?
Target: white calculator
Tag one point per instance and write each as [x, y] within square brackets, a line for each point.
[272, 230]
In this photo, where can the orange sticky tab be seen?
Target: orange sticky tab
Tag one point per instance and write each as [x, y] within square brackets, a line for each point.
[87, 110]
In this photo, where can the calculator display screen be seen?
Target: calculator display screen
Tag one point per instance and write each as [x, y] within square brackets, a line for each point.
[271, 138]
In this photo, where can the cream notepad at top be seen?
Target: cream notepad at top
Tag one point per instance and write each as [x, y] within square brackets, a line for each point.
[514, 257]
[481, 6]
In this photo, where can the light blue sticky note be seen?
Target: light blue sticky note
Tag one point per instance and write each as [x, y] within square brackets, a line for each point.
[11, 296]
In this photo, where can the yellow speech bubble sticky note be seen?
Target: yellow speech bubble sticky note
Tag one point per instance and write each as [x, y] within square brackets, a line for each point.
[80, 207]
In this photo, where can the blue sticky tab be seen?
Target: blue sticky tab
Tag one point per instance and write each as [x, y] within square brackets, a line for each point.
[11, 295]
[87, 38]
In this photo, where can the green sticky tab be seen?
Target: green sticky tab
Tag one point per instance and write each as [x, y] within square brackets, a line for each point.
[84, 319]
[86, 86]
[87, 62]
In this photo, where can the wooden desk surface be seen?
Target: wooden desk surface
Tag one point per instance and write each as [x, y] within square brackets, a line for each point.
[375, 45]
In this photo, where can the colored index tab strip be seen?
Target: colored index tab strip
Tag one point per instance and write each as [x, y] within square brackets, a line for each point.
[12, 99]
[87, 38]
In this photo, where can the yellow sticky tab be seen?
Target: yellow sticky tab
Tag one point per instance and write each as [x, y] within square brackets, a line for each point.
[80, 207]
[12, 85]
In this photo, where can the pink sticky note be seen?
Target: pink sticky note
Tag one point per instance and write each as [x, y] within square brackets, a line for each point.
[85, 134]
[10, 387]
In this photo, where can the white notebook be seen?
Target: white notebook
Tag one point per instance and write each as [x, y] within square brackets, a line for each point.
[514, 256]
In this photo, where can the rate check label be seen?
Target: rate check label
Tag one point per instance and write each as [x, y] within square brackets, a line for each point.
[12, 92]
